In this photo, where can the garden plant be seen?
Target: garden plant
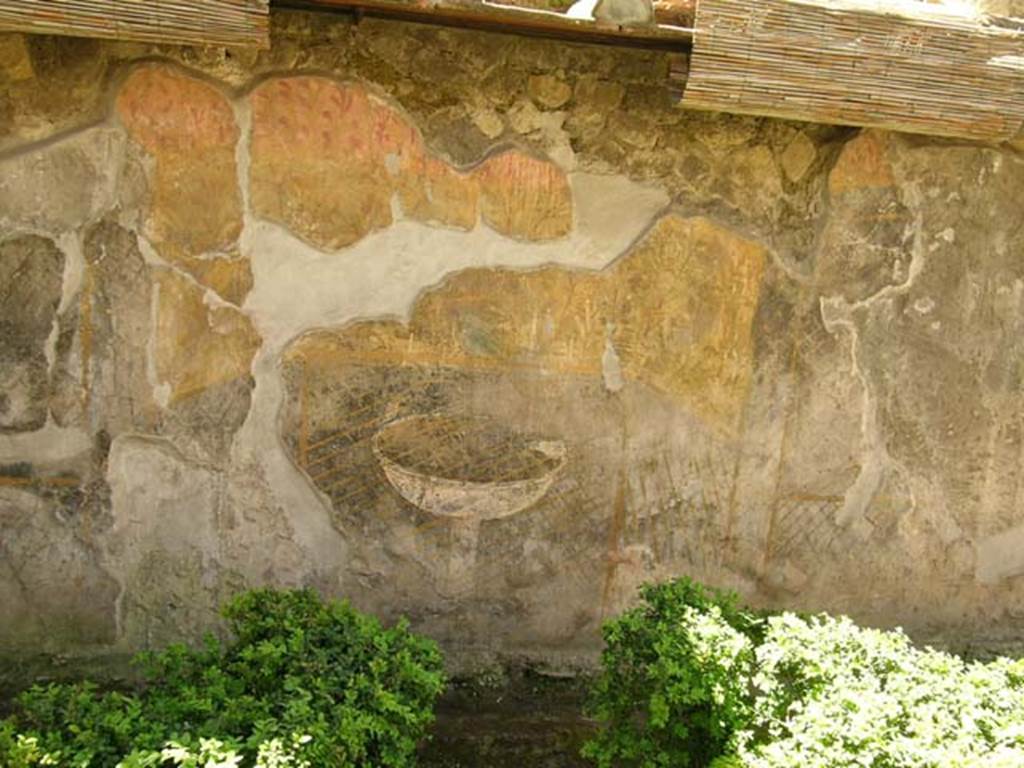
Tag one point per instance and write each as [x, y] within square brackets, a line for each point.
[301, 683]
[689, 678]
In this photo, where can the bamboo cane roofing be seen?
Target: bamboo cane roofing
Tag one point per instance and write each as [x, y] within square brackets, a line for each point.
[906, 66]
[215, 22]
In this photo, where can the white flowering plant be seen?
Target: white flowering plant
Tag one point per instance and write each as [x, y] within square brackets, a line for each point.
[829, 693]
[690, 679]
[214, 753]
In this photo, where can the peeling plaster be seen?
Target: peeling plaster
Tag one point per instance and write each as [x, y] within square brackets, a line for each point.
[298, 287]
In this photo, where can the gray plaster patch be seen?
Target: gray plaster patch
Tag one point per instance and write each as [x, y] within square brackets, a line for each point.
[49, 444]
[165, 512]
[53, 592]
[1001, 556]
[63, 185]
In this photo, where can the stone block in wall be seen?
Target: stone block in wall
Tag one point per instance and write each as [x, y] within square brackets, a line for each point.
[798, 156]
[100, 373]
[31, 280]
[54, 593]
[63, 186]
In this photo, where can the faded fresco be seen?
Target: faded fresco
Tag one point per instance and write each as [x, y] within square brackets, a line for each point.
[488, 348]
[494, 444]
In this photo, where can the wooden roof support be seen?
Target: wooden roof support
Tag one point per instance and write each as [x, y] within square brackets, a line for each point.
[667, 33]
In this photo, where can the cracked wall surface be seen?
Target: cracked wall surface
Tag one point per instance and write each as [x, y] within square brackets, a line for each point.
[484, 331]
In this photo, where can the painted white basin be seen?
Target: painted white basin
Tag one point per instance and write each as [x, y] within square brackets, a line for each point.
[396, 447]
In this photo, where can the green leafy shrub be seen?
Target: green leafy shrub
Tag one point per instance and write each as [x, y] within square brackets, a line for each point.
[20, 751]
[82, 725]
[302, 682]
[674, 683]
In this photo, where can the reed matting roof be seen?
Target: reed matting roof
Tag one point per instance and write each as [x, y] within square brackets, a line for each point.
[905, 66]
[210, 22]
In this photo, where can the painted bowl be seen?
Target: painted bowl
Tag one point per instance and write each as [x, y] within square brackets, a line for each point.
[466, 469]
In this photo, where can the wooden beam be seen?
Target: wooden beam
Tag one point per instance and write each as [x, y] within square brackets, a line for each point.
[496, 17]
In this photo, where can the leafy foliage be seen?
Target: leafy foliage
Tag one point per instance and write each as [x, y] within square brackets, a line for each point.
[673, 689]
[691, 679]
[302, 682]
[830, 693]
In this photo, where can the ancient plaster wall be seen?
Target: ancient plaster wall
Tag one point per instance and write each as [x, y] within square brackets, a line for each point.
[484, 331]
